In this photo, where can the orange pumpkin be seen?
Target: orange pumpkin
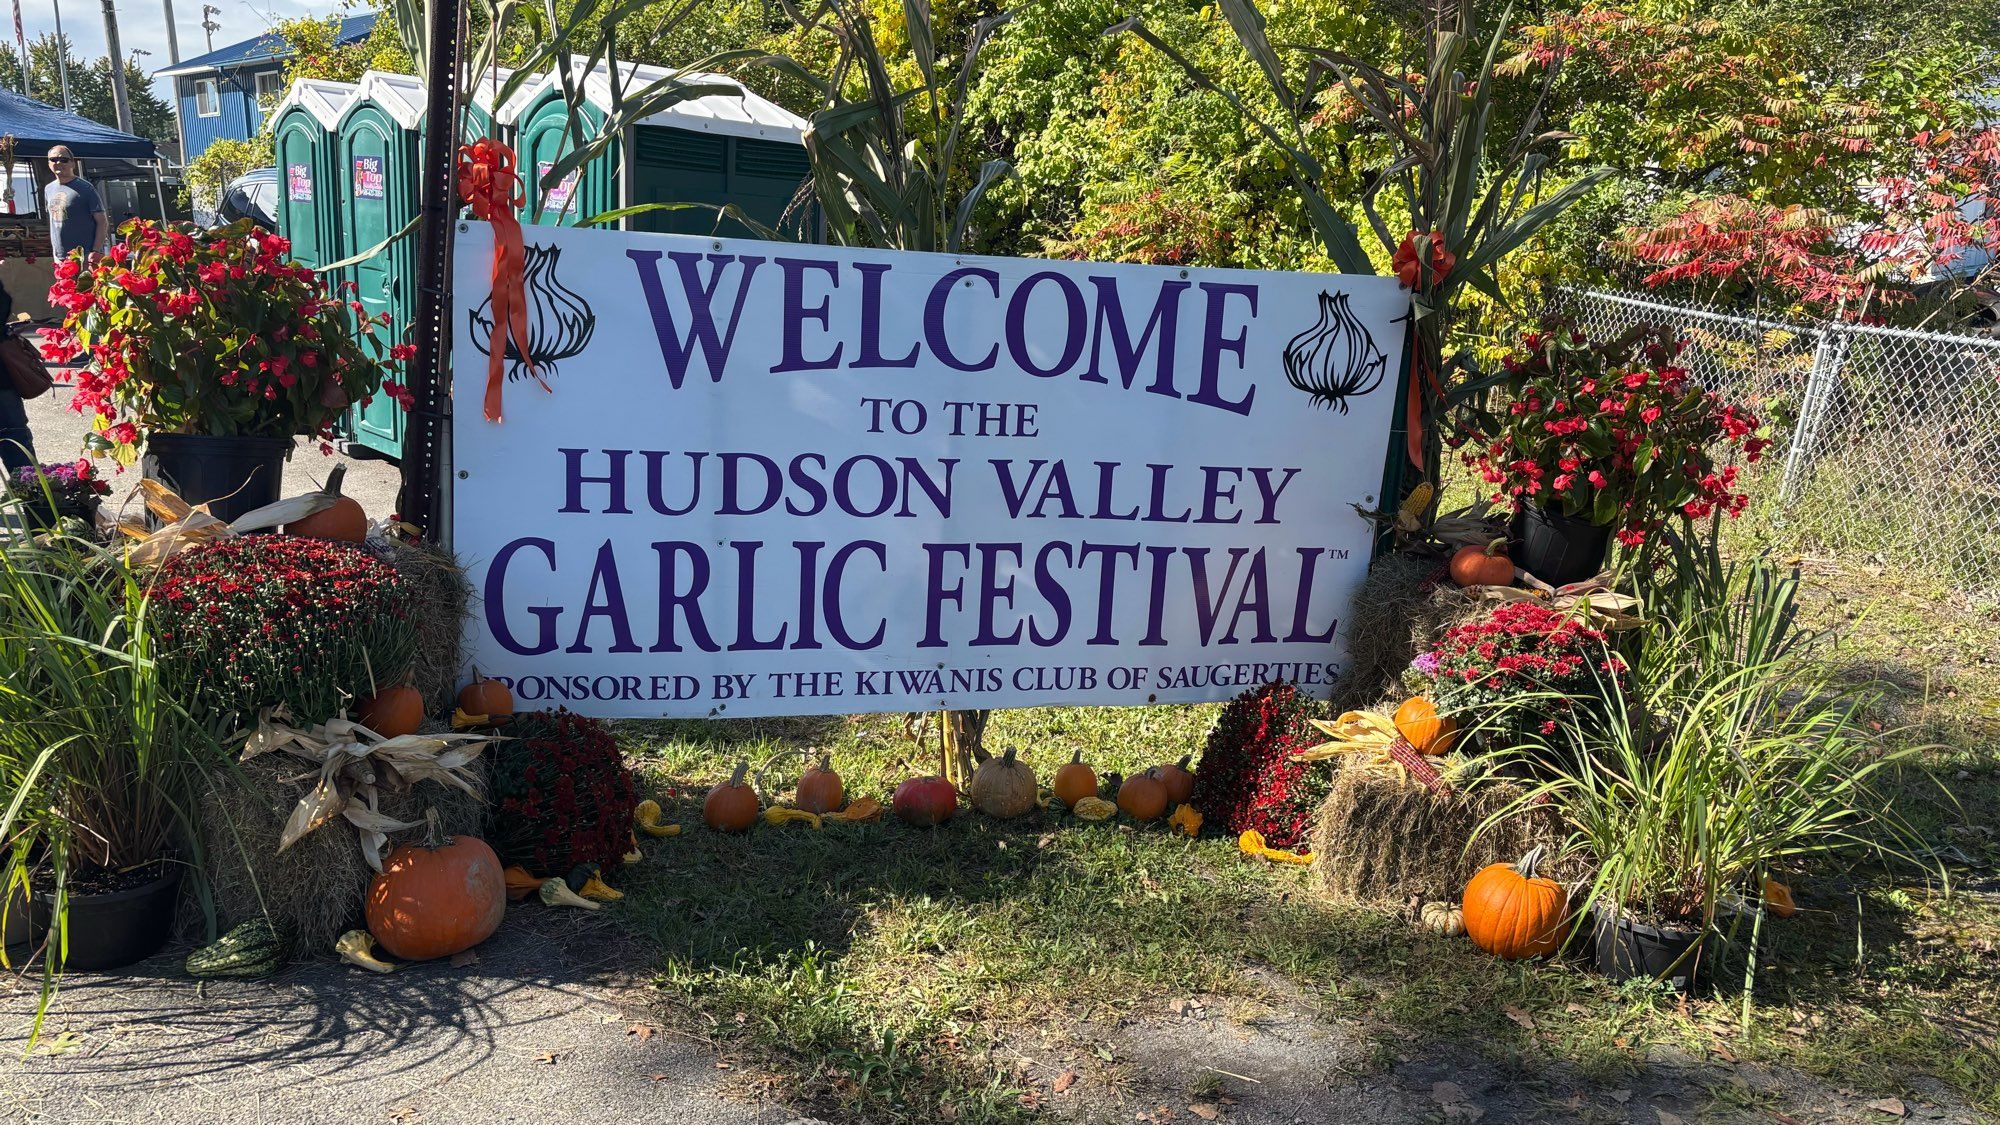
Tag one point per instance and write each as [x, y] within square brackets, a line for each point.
[731, 806]
[1418, 721]
[1143, 796]
[1512, 913]
[437, 898]
[820, 789]
[393, 713]
[1483, 566]
[1075, 781]
[486, 697]
[1177, 779]
[343, 519]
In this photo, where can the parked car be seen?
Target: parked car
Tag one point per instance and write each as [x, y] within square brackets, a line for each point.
[253, 196]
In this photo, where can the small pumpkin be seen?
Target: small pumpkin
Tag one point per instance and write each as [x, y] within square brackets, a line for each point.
[1512, 913]
[486, 697]
[1483, 566]
[820, 789]
[440, 897]
[342, 519]
[1003, 788]
[1074, 781]
[732, 805]
[1177, 779]
[1441, 918]
[1778, 898]
[393, 712]
[924, 801]
[1143, 796]
[1418, 721]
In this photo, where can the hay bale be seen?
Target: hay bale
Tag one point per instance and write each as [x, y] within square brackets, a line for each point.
[318, 882]
[1405, 604]
[1382, 840]
[440, 598]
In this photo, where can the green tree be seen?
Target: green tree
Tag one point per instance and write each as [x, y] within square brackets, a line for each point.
[89, 87]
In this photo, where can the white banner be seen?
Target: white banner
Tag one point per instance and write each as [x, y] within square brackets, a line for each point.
[778, 479]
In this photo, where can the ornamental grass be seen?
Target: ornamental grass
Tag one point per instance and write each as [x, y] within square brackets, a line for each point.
[260, 621]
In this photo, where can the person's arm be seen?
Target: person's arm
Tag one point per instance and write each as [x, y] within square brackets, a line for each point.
[103, 232]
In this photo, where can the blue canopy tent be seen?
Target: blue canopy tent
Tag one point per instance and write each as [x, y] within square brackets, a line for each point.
[38, 127]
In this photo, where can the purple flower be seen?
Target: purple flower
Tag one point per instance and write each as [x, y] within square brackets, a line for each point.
[1426, 663]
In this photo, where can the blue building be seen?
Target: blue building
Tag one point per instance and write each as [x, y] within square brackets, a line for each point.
[225, 94]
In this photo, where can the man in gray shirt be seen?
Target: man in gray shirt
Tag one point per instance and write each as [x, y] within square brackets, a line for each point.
[76, 214]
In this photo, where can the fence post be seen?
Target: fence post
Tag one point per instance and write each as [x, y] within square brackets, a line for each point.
[1828, 358]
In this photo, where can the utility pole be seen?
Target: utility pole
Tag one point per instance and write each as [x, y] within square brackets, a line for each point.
[208, 25]
[62, 56]
[173, 37]
[120, 100]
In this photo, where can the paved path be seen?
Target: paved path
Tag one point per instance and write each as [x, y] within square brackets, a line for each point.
[549, 1026]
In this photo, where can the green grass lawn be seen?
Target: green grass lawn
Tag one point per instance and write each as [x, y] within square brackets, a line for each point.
[881, 969]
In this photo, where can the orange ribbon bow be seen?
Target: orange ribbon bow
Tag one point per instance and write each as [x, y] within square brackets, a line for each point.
[1421, 263]
[487, 180]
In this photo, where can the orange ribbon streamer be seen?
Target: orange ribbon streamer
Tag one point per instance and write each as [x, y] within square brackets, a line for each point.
[1421, 263]
[488, 182]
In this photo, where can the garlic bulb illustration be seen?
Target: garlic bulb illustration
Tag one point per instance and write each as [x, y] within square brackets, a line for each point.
[1336, 359]
[560, 322]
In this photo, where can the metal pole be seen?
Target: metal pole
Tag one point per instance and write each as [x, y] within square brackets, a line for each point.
[62, 56]
[116, 58]
[428, 377]
[173, 36]
[159, 191]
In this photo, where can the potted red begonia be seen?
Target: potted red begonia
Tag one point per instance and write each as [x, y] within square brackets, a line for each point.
[1604, 437]
[215, 351]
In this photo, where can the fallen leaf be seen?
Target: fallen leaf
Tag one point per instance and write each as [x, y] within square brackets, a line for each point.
[1576, 1009]
[657, 1077]
[1519, 1015]
[642, 1031]
[1205, 1110]
[403, 1113]
[549, 1057]
[1723, 1053]
[61, 1044]
[1669, 1118]
[463, 958]
[720, 1065]
[1619, 1096]
[1447, 1093]
[1894, 1107]
[1064, 1081]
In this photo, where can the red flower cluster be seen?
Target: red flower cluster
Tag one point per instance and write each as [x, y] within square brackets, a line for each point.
[1616, 432]
[258, 620]
[1518, 649]
[561, 795]
[209, 333]
[1247, 778]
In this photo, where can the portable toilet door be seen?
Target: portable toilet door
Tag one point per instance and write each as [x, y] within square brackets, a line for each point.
[379, 152]
[308, 124]
[744, 150]
[540, 121]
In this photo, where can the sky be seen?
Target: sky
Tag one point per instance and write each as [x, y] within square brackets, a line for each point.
[142, 25]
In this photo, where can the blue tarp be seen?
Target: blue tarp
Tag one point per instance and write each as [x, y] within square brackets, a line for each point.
[38, 127]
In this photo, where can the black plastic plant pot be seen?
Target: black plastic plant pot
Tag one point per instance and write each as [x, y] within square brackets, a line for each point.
[1560, 549]
[232, 475]
[111, 930]
[1628, 950]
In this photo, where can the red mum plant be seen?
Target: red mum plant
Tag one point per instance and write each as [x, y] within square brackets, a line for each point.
[1614, 431]
[256, 621]
[1248, 779]
[210, 332]
[1520, 650]
[561, 795]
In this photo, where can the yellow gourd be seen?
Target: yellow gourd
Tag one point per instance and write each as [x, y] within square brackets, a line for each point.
[1251, 843]
[1094, 809]
[1185, 821]
[859, 810]
[598, 890]
[647, 817]
[778, 816]
[357, 947]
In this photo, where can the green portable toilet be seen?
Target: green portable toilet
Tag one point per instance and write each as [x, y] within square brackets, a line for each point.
[742, 149]
[379, 154]
[308, 123]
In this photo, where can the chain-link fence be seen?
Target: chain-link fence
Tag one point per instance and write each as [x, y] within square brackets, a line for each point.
[1886, 441]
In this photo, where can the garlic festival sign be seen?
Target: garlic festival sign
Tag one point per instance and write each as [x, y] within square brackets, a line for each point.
[772, 479]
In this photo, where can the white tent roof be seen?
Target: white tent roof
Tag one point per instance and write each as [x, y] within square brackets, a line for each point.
[403, 96]
[325, 100]
[744, 115]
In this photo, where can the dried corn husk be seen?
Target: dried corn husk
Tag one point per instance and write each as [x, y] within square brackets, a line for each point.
[1594, 602]
[355, 763]
[186, 525]
[1368, 743]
